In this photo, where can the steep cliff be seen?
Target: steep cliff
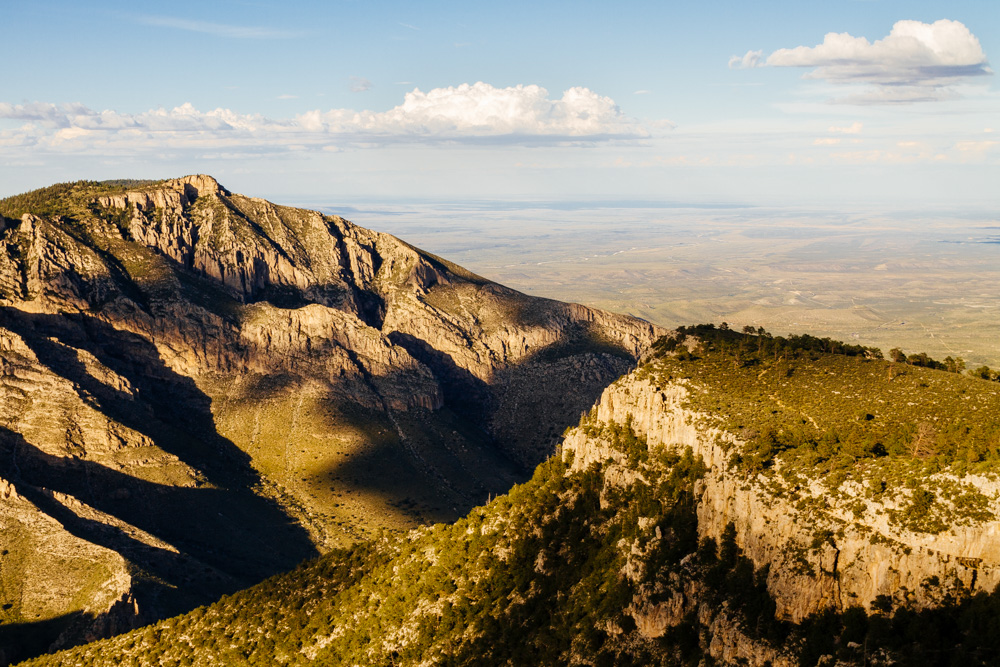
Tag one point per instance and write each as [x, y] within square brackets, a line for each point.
[701, 513]
[196, 372]
[822, 554]
[850, 482]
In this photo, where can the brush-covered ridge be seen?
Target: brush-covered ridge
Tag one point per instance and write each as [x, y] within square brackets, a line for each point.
[662, 534]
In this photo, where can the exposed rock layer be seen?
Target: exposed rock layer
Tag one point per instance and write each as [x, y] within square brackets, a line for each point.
[859, 562]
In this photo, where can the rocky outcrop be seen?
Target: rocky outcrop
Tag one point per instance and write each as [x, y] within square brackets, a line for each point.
[173, 194]
[215, 241]
[833, 559]
[42, 264]
[317, 339]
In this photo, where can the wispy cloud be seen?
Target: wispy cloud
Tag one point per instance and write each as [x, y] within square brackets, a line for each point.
[915, 62]
[470, 113]
[359, 84]
[216, 29]
[976, 146]
[288, 97]
[408, 26]
[853, 128]
[749, 60]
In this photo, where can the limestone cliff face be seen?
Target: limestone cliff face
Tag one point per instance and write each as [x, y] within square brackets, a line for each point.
[418, 313]
[87, 473]
[194, 371]
[244, 244]
[43, 264]
[256, 248]
[857, 559]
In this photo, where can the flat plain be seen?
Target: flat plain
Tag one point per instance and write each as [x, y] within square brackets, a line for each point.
[923, 281]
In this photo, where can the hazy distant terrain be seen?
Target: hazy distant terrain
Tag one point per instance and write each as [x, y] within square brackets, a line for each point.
[921, 281]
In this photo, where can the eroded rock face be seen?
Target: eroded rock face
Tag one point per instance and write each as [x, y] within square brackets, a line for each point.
[186, 373]
[858, 559]
[37, 553]
[455, 322]
[419, 310]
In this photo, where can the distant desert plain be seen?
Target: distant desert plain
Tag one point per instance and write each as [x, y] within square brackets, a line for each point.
[923, 281]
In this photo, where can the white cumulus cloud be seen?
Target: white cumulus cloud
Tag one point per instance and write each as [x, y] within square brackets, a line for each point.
[478, 112]
[915, 62]
[471, 113]
[481, 110]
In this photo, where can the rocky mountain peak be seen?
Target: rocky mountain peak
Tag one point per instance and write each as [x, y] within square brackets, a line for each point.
[193, 371]
[173, 194]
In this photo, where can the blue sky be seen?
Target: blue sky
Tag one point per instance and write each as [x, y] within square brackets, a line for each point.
[709, 101]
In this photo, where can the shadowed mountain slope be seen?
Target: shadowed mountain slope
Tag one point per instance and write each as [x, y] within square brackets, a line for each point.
[736, 500]
[199, 389]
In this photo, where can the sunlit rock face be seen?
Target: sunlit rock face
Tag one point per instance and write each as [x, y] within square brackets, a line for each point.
[199, 389]
[859, 558]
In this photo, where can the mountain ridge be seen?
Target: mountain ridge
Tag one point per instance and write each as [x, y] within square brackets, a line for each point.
[236, 368]
[183, 380]
[653, 537]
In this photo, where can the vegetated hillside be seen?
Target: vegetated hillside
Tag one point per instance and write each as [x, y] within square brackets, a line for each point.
[920, 442]
[667, 532]
[199, 389]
